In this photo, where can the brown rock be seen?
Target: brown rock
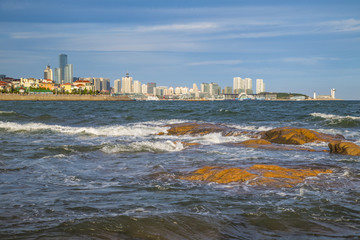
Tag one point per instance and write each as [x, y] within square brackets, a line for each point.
[205, 128]
[194, 129]
[295, 136]
[263, 175]
[346, 148]
[264, 144]
[252, 142]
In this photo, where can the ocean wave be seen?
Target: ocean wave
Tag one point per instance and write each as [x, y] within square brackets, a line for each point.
[144, 146]
[7, 112]
[139, 129]
[338, 120]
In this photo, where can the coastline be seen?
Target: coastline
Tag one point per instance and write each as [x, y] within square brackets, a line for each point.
[43, 97]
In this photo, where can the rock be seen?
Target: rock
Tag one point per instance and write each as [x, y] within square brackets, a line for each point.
[194, 129]
[346, 148]
[296, 136]
[219, 175]
[205, 128]
[255, 142]
[260, 175]
[264, 144]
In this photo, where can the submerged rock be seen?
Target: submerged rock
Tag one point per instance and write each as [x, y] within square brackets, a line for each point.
[297, 136]
[346, 148]
[264, 144]
[262, 175]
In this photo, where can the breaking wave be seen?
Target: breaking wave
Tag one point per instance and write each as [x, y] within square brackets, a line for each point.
[145, 146]
[337, 120]
[7, 112]
[112, 130]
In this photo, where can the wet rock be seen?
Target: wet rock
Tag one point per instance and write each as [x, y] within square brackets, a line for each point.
[259, 175]
[194, 129]
[255, 142]
[264, 144]
[205, 128]
[296, 136]
[346, 148]
[219, 175]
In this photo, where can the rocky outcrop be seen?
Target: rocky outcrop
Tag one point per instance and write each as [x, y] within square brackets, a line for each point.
[203, 129]
[260, 175]
[346, 148]
[264, 144]
[297, 136]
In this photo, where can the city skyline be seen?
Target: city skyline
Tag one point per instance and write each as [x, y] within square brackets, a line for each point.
[294, 46]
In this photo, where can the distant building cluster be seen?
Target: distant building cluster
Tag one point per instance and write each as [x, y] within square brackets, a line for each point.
[63, 81]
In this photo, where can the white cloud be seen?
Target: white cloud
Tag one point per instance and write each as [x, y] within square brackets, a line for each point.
[346, 25]
[218, 62]
[179, 27]
[307, 60]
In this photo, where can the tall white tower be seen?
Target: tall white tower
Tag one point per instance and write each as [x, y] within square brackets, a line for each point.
[117, 86]
[126, 86]
[333, 93]
[314, 95]
[260, 86]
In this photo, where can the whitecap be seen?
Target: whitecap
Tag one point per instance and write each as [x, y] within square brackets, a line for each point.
[332, 116]
[144, 146]
[7, 112]
[139, 129]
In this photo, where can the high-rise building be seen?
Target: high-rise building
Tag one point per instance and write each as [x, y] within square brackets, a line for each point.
[215, 89]
[105, 84]
[68, 73]
[144, 89]
[137, 86]
[236, 84]
[248, 86]
[97, 84]
[260, 86]
[126, 84]
[117, 86]
[242, 85]
[150, 87]
[48, 74]
[205, 88]
[57, 76]
[62, 64]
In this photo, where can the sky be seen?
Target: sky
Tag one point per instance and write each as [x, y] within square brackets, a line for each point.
[295, 46]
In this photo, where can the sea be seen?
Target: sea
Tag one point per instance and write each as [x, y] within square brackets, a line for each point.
[99, 170]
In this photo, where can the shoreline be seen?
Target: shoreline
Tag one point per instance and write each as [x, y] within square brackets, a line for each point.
[43, 97]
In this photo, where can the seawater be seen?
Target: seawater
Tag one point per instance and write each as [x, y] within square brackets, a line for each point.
[97, 170]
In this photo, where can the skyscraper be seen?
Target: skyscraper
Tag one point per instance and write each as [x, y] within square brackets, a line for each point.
[117, 86]
[62, 64]
[57, 75]
[68, 73]
[105, 84]
[260, 86]
[137, 86]
[48, 74]
[126, 84]
[236, 84]
[150, 87]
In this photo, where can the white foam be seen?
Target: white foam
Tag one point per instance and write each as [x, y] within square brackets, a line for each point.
[250, 128]
[218, 138]
[112, 130]
[6, 112]
[145, 146]
[332, 116]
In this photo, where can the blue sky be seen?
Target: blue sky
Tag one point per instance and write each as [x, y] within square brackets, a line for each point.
[295, 46]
